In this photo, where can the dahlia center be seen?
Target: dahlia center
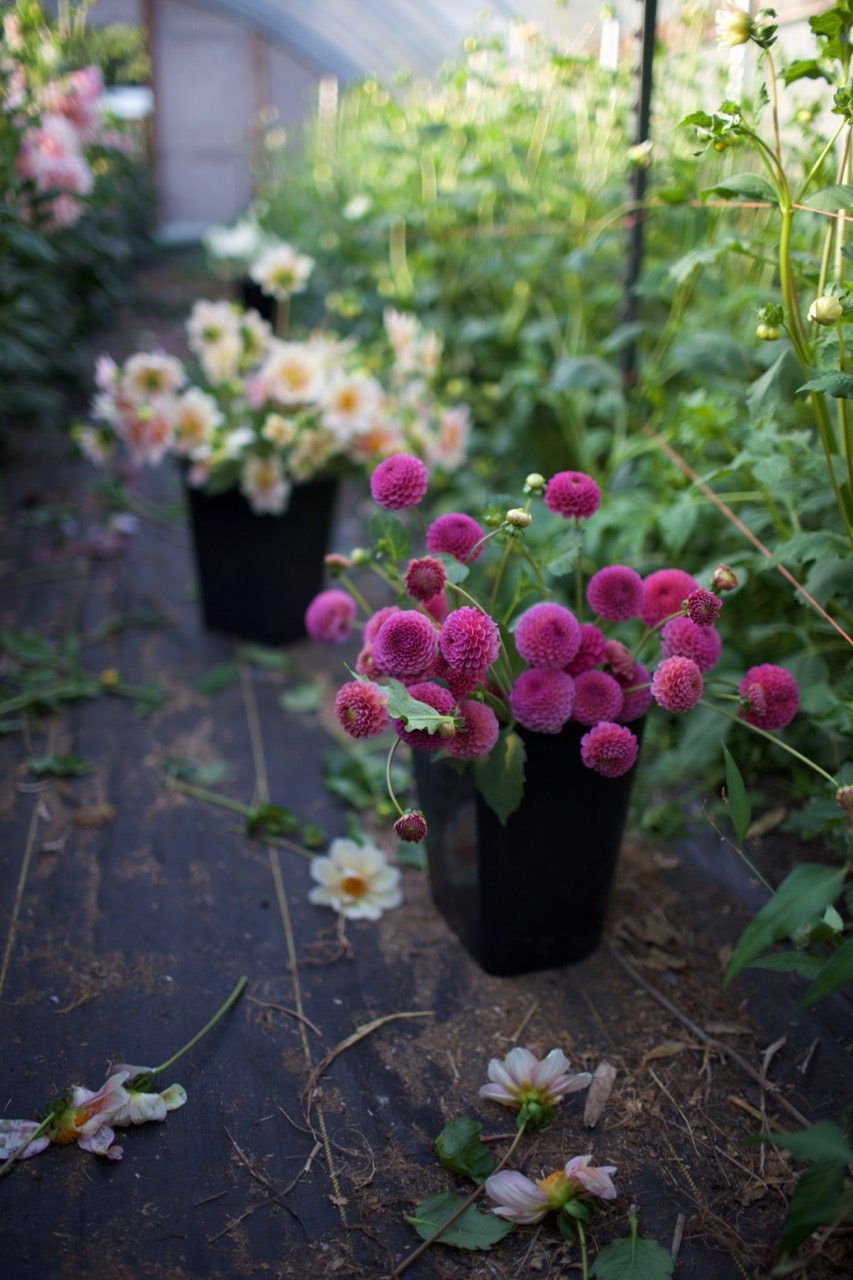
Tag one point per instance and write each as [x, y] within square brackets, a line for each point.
[557, 1188]
[347, 401]
[354, 885]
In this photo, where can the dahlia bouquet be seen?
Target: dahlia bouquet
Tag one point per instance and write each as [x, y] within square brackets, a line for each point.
[256, 412]
[469, 658]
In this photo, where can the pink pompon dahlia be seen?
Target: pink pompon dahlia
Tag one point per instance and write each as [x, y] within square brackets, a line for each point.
[591, 651]
[411, 826]
[677, 684]
[330, 615]
[664, 593]
[373, 624]
[425, 578]
[620, 660]
[478, 734]
[399, 482]
[616, 593]
[360, 709]
[769, 697]
[609, 749]
[703, 607]
[548, 635]
[442, 701]
[521, 1078]
[542, 699]
[682, 638]
[598, 696]
[636, 694]
[456, 535]
[437, 606]
[470, 641]
[571, 494]
[406, 645]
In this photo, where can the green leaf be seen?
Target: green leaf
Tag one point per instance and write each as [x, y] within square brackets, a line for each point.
[413, 855]
[271, 820]
[805, 69]
[258, 655]
[740, 810]
[215, 679]
[182, 769]
[834, 199]
[29, 647]
[807, 891]
[69, 766]
[751, 186]
[815, 1203]
[455, 570]
[302, 697]
[776, 387]
[789, 962]
[390, 536]
[834, 974]
[821, 1141]
[402, 706]
[629, 1259]
[313, 836]
[839, 385]
[500, 775]
[473, 1230]
[460, 1149]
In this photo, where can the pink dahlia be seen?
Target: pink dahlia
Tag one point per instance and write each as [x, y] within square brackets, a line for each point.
[769, 697]
[636, 695]
[406, 645]
[597, 697]
[364, 664]
[360, 709]
[442, 701]
[616, 593]
[620, 660]
[373, 624]
[547, 635]
[542, 698]
[456, 535]
[470, 640]
[398, 482]
[330, 615]
[437, 606]
[425, 578]
[664, 592]
[703, 607]
[572, 494]
[478, 735]
[411, 826]
[682, 638]
[677, 684]
[609, 749]
[591, 651]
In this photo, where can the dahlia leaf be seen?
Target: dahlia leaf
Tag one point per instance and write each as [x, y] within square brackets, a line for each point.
[472, 1230]
[740, 810]
[460, 1149]
[802, 895]
[69, 766]
[633, 1258]
[390, 537]
[500, 775]
[818, 1200]
[836, 973]
[456, 571]
[416, 715]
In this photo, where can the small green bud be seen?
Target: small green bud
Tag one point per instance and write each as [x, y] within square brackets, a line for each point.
[826, 310]
[768, 332]
[359, 555]
[535, 483]
[519, 518]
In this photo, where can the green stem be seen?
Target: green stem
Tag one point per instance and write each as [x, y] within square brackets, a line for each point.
[220, 1013]
[19, 1151]
[211, 797]
[647, 635]
[499, 578]
[824, 153]
[388, 761]
[67, 690]
[771, 737]
[578, 580]
[584, 1259]
[844, 409]
[457, 1213]
[356, 594]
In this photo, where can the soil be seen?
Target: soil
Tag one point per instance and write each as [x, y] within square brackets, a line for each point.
[130, 909]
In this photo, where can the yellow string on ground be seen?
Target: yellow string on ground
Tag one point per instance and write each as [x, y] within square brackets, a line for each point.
[263, 796]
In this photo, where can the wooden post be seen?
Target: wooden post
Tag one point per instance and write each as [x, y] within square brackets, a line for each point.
[639, 177]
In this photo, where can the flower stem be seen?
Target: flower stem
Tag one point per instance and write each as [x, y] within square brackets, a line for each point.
[771, 737]
[19, 1151]
[220, 1013]
[356, 594]
[584, 1260]
[457, 1213]
[390, 789]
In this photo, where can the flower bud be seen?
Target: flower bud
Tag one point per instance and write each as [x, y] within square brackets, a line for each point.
[826, 310]
[519, 518]
[724, 578]
[768, 332]
[411, 826]
[534, 483]
[336, 564]
[359, 555]
[734, 26]
[844, 798]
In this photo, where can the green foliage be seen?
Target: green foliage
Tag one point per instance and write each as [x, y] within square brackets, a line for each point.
[473, 1230]
[821, 1196]
[632, 1259]
[304, 698]
[271, 820]
[461, 1150]
[217, 678]
[802, 895]
[739, 807]
[500, 775]
[67, 766]
[206, 774]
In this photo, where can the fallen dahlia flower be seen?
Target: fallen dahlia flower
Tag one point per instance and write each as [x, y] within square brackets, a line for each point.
[609, 749]
[547, 635]
[355, 880]
[520, 1199]
[521, 1078]
[769, 697]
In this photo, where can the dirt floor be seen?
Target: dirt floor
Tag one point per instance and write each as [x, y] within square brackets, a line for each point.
[130, 908]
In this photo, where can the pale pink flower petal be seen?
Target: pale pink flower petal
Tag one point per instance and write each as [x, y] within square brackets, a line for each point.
[516, 1197]
[595, 1181]
[15, 1132]
[101, 1143]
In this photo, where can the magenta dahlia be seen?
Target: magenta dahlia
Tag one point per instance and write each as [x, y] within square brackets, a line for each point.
[470, 640]
[547, 635]
[597, 697]
[406, 645]
[425, 578]
[373, 624]
[616, 593]
[769, 697]
[677, 684]
[478, 734]
[703, 607]
[456, 535]
[360, 709]
[636, 699]
[620, 660]
[411, 826]
[398, 482]
[330, 615]
[609, 749]
[682, 638]
[437, 606]
[664, 593]
[442, 701]
[591, 651]
[571, 494]
[542, 698]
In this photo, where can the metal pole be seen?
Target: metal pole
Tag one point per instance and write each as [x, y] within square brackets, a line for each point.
[639, 176]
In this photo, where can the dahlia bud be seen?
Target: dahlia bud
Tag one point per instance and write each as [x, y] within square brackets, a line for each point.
[734, 26]
[768, 332]
[336, 564]
[724, 579]
[411, 826]
[826, 310]
[518, 518]
[534, 483]
[844, 798]
[447, 729]
[359, 555]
